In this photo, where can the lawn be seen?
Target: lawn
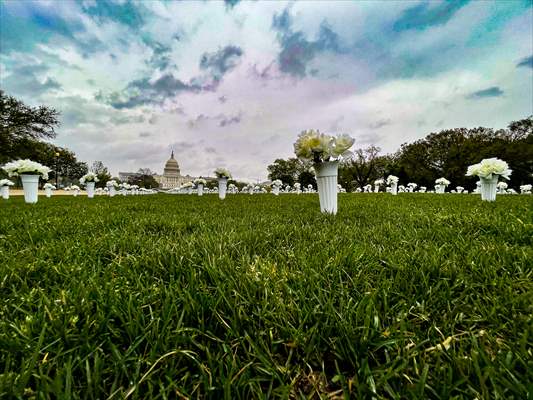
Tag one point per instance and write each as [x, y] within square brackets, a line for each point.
[414, 296]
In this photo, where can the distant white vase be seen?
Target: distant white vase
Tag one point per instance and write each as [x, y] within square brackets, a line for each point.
[90, 189]
[48, 192]
[488, 188]
[4, 190]
[222, 187]
[439, 189]
[376, 188]
[30, 183]
[189, 190]
[394, 188]
[75, 192]
[200, 189]
[112, 191]
[326, 178]
[275, 190]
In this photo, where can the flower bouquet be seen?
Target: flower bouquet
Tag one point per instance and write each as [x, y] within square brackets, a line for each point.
[440, 185]
[200, 183]
[75, 189]
[29, 172]
[525, 189]
[4, 188]
[377, 184]
[325, 151]
[222, 175]
[411, 187]
[111, 187]
[187, 187]
[502, 187]
[298, 187]
[48, 187]
[488, 171]
[392, 182]
[89, 180]
[276, 184]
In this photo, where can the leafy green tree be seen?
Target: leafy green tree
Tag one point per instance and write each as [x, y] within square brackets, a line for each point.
[101, 172]
[21, 125]
[144, 178]
[364, 167]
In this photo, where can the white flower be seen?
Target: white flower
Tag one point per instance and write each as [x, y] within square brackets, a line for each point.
[320, 147]
[200, 181]
[297, 185]
[18, 167]
[88, 177]
[525, 188]
[391, 179]
[277, 183]
[6, 182]
[111, 183]
[341, 145]
[412, 185]
[222, 173]
[379, 182]
[442, 181]
[187, 185]
[488, 167]
[49, 186]
[74, 187]
[502, 185]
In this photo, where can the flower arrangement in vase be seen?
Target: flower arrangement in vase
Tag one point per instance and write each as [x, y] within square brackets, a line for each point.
[29, 172]
[89, 180]
[200, 183]
[222, 175]
[4, 188]
[489, 170]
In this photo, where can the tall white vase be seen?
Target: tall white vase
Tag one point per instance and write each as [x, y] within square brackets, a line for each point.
[275, 190]
[394, 188]
[30, 183]
[326, 179]
[222, 187]
[200, 189]
[488, 188]
[48, 192]
[376, 188]
[4, 190]
[112, 191]
[90, 189]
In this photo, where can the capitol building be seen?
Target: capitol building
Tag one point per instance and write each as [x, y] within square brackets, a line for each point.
[172, 177]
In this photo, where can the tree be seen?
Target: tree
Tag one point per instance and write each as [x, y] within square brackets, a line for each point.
[143, 178]
[101, 172]
[364, 167]
[21, 125]
[285, 170]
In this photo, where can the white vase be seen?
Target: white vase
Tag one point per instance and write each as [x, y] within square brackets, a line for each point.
[112, 191]
[30, 183]
[48, 192]
[5, 192]
[439, 188]
[394, 188]
[90, 189]
[488, 188]
[222, 187]
[275, 190]
[75, 193]
[376, 188]
[200, 190]
[326, 179]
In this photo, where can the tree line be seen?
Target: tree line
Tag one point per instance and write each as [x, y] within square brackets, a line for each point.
[447, 154]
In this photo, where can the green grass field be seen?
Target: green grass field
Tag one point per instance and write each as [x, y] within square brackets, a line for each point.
[408, 297]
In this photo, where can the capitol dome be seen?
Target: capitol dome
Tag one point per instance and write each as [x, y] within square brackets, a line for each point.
[171, 167]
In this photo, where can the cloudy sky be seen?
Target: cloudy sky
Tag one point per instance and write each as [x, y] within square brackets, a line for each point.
[233, 83]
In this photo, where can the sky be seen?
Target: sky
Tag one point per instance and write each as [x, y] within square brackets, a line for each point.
[232, 83]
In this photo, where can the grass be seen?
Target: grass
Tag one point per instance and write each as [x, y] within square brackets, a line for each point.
[407, 297]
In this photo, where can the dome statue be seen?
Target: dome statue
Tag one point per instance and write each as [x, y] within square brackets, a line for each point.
[172, 168]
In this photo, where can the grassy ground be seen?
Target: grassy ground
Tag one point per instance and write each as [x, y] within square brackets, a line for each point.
[414, 296]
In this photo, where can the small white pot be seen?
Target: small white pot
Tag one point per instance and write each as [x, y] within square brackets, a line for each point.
[394, 189]
[200, 190]
[376, 188]
[4, 190]
[90, 189]
[222, 187]
[488, 188]
[326, 178]
[275, 190]
[75, 193]
[30, 183]
[440, 189]
[112, 191]
[251, 190]
[48, 192]
[298, 191]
